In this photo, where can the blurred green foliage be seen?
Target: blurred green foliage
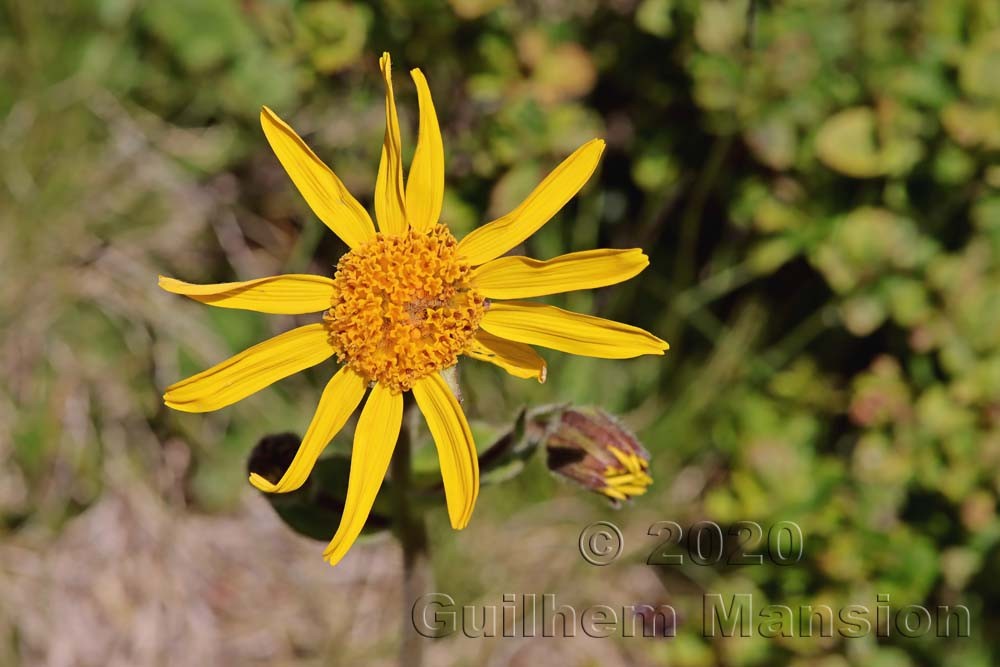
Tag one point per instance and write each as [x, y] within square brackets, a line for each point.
[816, 181]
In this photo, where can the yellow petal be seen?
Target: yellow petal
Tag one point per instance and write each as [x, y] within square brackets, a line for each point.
[293, 294]
[517, 359]
[495, 238]
[374, 440]
[389, 204]
[455, 446]
[342, 395]
[523, 277]
[251, 370]
[548, 326]
[322, 190]
[425, 183]
[612, 492]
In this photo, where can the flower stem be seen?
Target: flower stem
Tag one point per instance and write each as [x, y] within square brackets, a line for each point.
[411, 531]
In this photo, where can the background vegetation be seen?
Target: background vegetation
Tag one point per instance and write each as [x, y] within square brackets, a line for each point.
[817, 184]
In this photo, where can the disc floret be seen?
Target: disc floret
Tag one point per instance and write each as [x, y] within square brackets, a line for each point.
[402, 307]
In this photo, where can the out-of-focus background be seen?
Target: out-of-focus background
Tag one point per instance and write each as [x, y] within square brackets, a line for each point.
[818, 187]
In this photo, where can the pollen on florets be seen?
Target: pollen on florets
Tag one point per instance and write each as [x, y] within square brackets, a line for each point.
[402, 307]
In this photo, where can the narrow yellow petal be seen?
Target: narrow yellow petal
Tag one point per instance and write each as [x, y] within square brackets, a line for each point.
[322, 190]
[342, 395]
[575, 333]
[495, 238]
[374, 440]
[517, 359]
[251, 370]
[390, 209]
[623, 478]
[292, 294]
[455, 446]
[625, 459]
[425, 182]
[612, 492]
[522, 277]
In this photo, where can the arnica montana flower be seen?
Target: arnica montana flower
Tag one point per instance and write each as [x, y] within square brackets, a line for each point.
[590, 447]
[404, 303]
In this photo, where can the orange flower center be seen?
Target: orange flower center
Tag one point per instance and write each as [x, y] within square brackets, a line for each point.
[402, 307]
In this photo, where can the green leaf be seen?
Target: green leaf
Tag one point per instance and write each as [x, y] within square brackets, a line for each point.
[846, 143]
[315, 509]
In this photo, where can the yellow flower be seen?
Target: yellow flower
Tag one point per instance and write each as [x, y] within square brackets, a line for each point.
[404, 303]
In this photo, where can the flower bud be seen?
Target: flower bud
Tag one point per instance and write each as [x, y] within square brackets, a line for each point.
[590, 447]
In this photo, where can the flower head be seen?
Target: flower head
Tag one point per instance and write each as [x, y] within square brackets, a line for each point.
[404, 303]
[591, 448]
[402, 307]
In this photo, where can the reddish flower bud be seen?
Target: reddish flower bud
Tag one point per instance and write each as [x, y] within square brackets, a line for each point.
[591, 448]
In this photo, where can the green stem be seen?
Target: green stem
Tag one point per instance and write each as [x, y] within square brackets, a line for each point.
[685, 265]
[411, 531]
[691, 217]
